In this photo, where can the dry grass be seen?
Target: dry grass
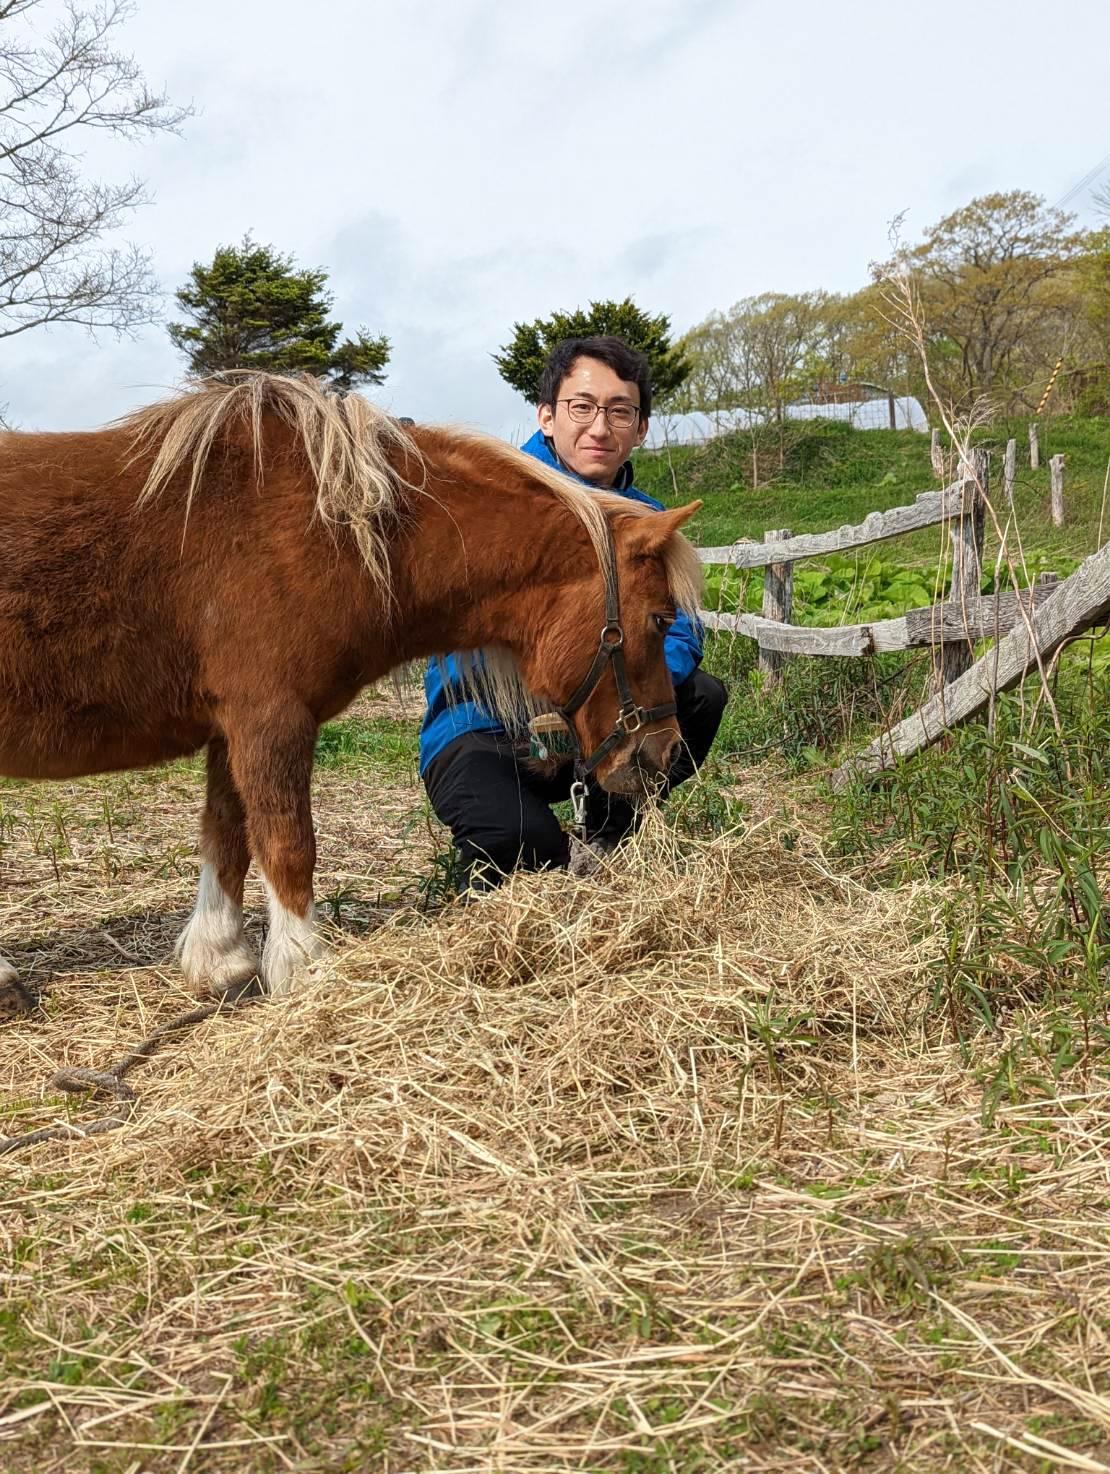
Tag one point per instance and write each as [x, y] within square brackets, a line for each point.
[671, 1170]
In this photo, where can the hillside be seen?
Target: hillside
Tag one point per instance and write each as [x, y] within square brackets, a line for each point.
[833, 474]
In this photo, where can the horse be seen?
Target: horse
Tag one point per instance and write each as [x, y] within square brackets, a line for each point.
[227, 568]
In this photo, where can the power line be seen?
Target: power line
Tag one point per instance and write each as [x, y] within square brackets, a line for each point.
[1088, 179]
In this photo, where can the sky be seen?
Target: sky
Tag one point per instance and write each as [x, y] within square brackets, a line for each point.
[457, 166]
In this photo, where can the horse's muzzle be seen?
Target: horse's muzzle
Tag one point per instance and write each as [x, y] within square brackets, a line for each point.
[644, 769]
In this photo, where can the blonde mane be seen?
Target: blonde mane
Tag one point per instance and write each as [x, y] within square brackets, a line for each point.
[594, 508]
[352, 448]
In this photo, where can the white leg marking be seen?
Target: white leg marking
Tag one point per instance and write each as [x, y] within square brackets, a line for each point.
[213, 949]
[291, 946]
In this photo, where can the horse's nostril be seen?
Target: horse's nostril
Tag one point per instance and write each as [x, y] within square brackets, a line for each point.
[651, 770]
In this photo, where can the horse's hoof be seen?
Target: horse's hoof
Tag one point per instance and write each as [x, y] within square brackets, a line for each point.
[240, 991]
[16, 998]
[215, 970]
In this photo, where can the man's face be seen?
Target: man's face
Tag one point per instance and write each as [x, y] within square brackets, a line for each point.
[589, 443]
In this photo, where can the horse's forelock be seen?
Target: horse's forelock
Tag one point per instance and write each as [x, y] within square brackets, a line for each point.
[680, 558]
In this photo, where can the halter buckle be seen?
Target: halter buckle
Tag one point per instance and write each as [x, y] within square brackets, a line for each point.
[616, 643]
[631, 721]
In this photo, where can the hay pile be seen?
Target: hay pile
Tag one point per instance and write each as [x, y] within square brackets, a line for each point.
[665, 1170]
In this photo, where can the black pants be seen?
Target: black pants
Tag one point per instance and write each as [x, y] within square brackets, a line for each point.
[499, 811]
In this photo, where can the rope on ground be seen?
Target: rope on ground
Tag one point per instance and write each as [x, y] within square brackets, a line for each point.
[110, 1082]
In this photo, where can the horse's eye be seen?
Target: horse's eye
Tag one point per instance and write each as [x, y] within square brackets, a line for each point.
[662, 623]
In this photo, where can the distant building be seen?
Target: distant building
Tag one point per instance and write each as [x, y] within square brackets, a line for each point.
[866, 406]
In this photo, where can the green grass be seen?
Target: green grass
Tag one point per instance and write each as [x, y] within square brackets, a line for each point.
[370, 742]
[833, 474]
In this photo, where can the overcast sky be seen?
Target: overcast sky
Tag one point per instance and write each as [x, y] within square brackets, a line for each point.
[460, 165]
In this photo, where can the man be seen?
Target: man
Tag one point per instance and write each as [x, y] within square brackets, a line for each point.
[595, 400]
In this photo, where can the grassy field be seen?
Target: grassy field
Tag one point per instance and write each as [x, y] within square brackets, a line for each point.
[835, 475]
[782, 1144]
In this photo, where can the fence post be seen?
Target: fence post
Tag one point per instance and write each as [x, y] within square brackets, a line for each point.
[956, 656]
[1056, 471]
[936, 455]
[1009, 472]
[1034, 448]
[778, 596]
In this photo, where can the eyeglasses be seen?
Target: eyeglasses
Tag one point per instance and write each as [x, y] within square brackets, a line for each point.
[585, 412]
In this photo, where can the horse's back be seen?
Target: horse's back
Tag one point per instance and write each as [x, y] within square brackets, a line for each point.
[129, 627]
[90, 660]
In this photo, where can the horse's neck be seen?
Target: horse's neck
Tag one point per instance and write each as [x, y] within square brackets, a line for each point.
[475, 566]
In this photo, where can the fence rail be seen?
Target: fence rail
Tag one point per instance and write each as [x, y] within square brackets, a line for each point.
[1081, 601]
[929, 509]
[984, 618]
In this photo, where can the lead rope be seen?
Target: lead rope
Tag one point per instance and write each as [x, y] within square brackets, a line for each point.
[110, 1082]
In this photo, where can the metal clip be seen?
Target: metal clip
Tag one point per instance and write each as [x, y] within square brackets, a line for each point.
[578, 804]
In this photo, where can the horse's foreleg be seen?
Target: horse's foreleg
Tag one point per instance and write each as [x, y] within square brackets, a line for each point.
[213, 950]
[271, 759]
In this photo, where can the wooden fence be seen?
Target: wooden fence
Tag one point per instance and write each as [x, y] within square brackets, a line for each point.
[954, 626]
[1027, 628]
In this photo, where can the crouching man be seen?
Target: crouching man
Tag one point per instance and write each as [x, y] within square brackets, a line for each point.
[595, 401]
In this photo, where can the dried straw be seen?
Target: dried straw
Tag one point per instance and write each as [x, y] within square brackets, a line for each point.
[669, 1169]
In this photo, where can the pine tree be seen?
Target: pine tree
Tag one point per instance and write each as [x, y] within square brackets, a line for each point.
[520, 362]
[250, 308]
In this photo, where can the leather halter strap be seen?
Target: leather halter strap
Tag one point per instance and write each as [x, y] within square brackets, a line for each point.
[610, 651]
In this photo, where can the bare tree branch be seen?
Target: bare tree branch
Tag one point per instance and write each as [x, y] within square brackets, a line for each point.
[54, 266]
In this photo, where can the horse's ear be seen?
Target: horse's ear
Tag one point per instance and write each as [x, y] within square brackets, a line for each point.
[649, 535]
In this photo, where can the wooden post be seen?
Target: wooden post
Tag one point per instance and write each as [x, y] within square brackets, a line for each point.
[1009, 472]
[1056, 471]
[936, 455]
[778, 596]
[890, 407]
[1034, 448]
[956, 656]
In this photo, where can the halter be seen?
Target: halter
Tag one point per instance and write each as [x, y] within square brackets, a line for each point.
[631, 715]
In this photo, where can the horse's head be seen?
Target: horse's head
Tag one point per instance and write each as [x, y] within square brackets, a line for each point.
[602, 655]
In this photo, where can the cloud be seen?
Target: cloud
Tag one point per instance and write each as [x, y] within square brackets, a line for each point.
[458, 168]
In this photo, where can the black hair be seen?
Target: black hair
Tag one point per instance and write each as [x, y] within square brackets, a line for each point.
[627, 363]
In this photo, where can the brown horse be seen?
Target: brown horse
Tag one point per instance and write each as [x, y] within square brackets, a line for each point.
[230, 567]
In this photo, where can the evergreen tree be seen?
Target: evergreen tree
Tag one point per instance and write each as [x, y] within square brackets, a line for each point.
[250, 308]
[520, 362]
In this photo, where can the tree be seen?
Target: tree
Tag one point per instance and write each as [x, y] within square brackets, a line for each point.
[759, 354]
[54, 89]
[864, 344]
[989, 274]
[252, 309]
[1094, 277]
[520, 362]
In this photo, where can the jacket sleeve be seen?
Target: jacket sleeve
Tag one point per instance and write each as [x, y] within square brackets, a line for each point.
[683, 647]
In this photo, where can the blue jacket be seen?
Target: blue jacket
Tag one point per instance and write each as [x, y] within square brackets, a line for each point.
[445, 720]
